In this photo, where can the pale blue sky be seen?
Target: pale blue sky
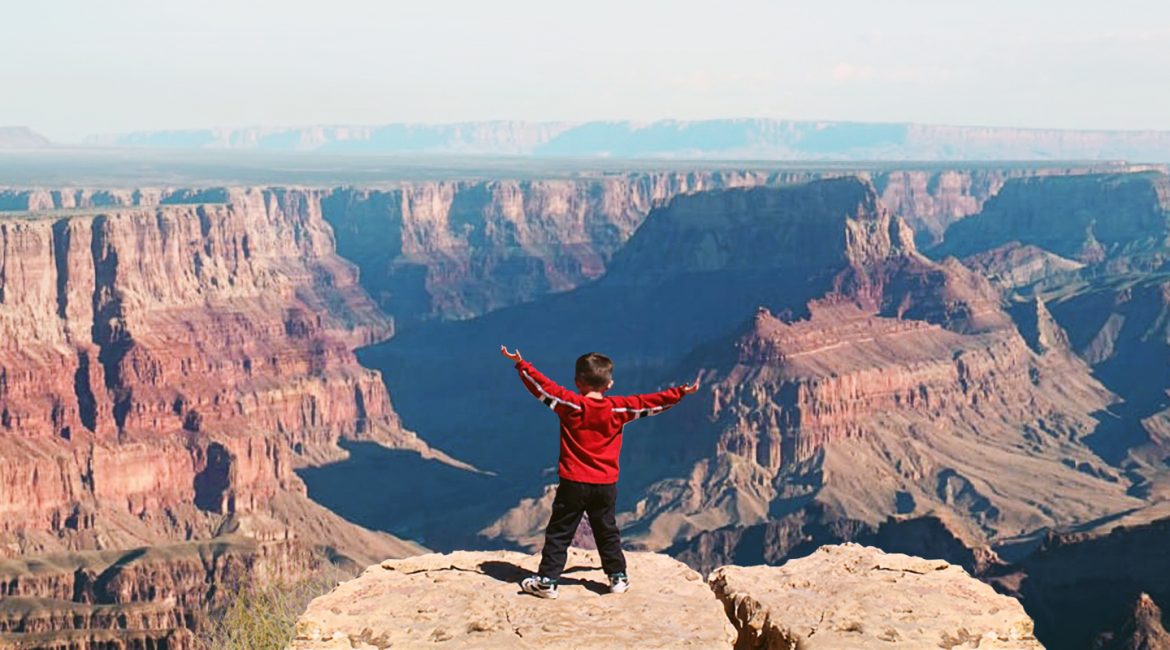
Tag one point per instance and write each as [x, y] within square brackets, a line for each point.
[74, 68]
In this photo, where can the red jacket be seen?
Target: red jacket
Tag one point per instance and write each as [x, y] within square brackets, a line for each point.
[591, 428]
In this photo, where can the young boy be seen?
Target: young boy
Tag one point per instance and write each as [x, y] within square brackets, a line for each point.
[591, 440]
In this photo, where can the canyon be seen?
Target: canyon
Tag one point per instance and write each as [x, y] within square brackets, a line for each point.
[164, 370]
[195, 381]
[872, 382]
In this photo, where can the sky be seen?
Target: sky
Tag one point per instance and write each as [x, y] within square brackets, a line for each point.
[73, 68]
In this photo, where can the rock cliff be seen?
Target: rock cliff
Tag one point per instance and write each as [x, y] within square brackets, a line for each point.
[163, 370]
[1102, 587]
[872, 382]
[854, 596]
[843, 596]
[460, 248]
[1088, 218]
[1111, 303]
[472, 600]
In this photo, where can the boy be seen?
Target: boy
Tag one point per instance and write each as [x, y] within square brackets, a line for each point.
[591, 440]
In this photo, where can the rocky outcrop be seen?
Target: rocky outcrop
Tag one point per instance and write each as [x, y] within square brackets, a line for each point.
[930, 200]
[163, 370]
[1111, 303]
[472, 600]
[178, 355]
[460, 249]
[1143, 630]
[1103, 585]
[1089, 219]
[809, 407]
[853, 596]
[841, 596]
[1022, 267]
[720, 139]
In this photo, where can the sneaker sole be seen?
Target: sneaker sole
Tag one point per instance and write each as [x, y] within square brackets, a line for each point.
[539, 593]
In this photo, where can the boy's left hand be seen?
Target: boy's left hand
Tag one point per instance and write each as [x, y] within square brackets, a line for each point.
[514, 356]
[692, 387]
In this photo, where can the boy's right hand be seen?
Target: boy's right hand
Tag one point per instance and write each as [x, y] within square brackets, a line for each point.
[513, 356]
[692, 387]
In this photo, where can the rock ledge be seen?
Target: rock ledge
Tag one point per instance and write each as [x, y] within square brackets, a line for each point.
[472, 600]
[852, 596]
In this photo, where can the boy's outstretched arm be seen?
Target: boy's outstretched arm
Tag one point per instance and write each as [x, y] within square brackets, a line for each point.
[633, 407]
[552, 394]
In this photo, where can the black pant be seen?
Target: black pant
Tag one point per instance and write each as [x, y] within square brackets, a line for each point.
[573, 499]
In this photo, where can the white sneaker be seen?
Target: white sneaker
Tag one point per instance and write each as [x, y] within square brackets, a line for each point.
[540, 587]
[619, 583]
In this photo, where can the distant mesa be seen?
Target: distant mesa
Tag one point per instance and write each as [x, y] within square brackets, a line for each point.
[743, 139]
[21, 137]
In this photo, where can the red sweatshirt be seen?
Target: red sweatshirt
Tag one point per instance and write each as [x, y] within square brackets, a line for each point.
[591, 428]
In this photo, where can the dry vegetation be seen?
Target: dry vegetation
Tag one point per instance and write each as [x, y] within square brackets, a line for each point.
[263, 617]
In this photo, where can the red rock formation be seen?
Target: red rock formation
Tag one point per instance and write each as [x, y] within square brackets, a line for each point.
[1102, 585]
[460, 249]
[137, 596]
[1085, 218]
[902, 387]
[162, 371]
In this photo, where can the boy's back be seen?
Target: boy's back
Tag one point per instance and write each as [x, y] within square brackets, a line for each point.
[591, 426]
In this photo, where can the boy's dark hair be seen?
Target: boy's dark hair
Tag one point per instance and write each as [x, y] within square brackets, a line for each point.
[595, 370]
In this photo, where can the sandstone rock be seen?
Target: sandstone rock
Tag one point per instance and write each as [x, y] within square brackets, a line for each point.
[852, 596]
[472, 600]
[1081, 585]
[163, 370]
[1085, 218]
[839, 365]
[1143, 630]
[1018, 266]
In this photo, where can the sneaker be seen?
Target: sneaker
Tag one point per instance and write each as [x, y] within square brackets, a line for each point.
[539, 586]
[619, 583]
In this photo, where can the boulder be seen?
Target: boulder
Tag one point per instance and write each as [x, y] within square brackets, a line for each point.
[852, 596]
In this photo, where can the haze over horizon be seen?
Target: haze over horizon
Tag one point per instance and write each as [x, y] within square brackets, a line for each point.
[148, 66]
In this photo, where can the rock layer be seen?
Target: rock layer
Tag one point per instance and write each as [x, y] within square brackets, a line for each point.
[163, 370]
[178, 355]
[472, 600]
[872, 382]
[852, 596]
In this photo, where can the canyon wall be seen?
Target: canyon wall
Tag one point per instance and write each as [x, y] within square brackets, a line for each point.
[163, 370]
[458, 249]
[145, 351]
[841, 370]
[1086, 218]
